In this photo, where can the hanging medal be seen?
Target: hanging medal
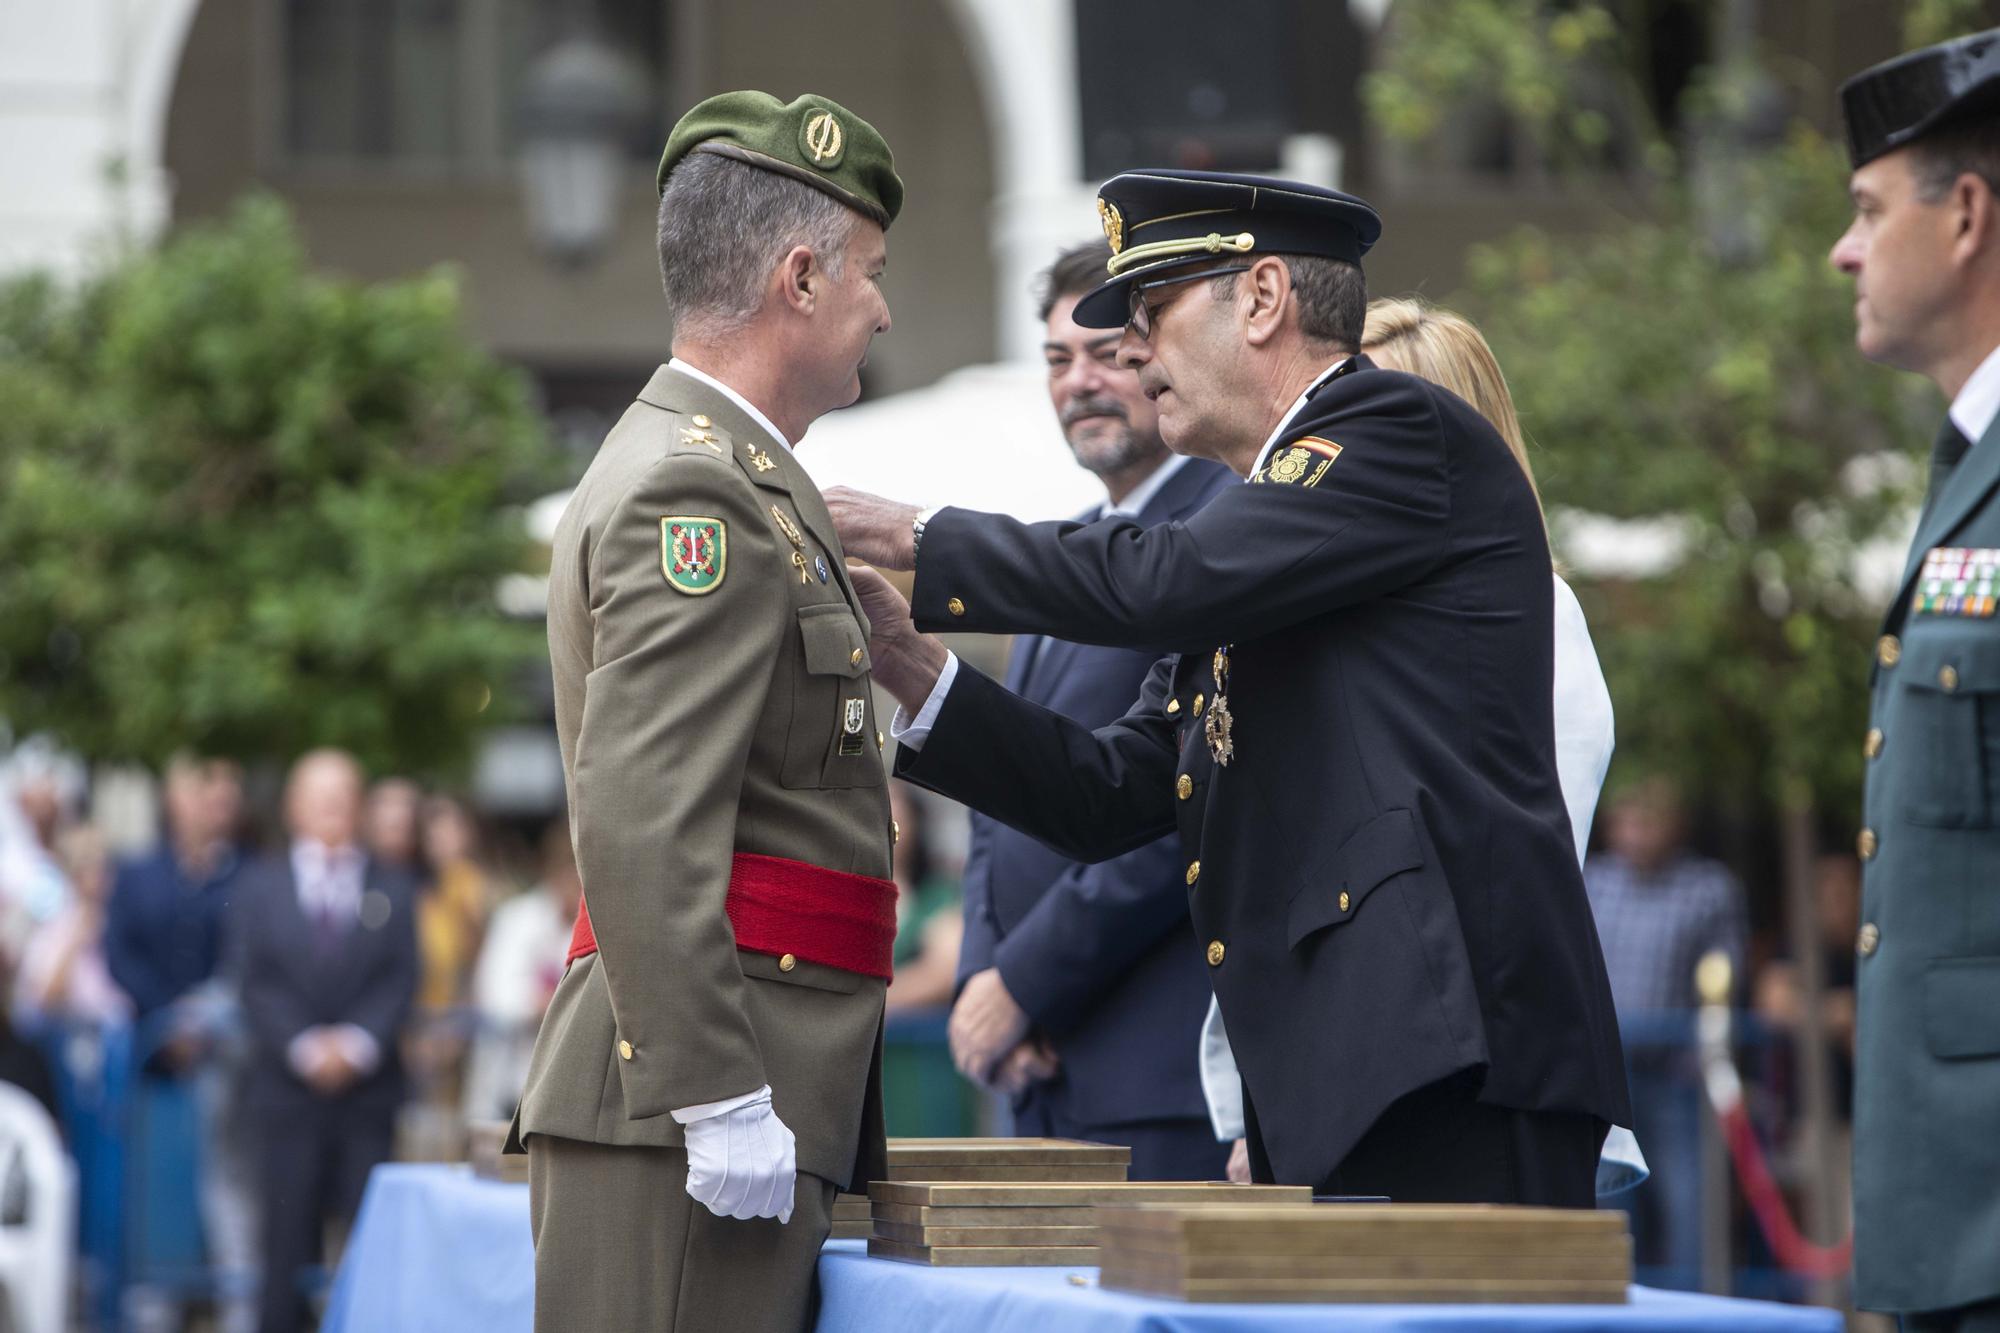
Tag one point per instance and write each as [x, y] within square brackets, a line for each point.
[1221, 747]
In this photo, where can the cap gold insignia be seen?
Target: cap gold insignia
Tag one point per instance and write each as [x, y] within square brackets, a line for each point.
[823, 140]
[1114, 224]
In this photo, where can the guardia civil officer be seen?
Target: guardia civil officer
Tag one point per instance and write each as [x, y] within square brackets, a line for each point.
[707, 1073]
[1351, 731]
[1924, 251]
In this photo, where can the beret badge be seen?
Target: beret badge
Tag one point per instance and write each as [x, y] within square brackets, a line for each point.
[822, 141]
[1114, 224]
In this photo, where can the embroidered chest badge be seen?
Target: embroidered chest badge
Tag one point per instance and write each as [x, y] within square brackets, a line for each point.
[694, 552]
[1301, 463]
[1958, 581]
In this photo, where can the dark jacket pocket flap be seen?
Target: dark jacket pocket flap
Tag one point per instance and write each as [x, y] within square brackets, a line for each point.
[1962, 1007]
[1384, 847]
[833, 642]
[1952, 663]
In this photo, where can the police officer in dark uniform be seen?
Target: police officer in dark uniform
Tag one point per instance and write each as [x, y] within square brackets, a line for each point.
[1924, 250]
[1351, 730]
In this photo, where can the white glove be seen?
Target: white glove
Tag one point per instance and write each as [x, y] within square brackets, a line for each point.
[743, 1162]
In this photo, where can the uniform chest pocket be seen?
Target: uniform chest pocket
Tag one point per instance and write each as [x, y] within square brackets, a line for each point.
[1944, 749]
[1375, 853]
[831, 741]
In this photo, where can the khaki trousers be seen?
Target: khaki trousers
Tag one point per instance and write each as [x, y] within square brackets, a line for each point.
[620, 1246]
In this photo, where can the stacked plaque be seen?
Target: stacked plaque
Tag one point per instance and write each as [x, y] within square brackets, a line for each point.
[483, 1141]
[986, 1160]
[962, 1224]
[1416, 1253]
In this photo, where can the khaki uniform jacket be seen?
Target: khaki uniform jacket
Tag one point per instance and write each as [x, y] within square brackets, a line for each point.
[697, 723]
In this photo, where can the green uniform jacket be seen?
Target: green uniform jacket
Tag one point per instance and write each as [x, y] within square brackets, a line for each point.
[1927, 1085]
[701, 714]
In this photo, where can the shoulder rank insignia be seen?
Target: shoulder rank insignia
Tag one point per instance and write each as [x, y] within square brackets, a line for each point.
[1301, 463]
[1958, 581]
[694, 552]
[704, 437]
[759, 459]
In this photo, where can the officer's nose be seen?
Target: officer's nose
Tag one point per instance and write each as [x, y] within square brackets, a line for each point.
[1846, 252]
[1133, 351]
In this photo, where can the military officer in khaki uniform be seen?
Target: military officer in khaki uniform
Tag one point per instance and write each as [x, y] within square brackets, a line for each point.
[707, 1074]
[1923, 135]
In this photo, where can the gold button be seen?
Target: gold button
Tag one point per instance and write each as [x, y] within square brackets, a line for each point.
[1948, 678]
[1866, 843]
[1344, 900]
[1173, 707]
[1198, 701]
[1868, 940]
[854, 658]
[895, 833]
[787, 963]
[624, 1050]
[1873, 745]
[881, 741]
[1889, 650]
[702, 421]
[1215, 952]
[955, 606]
[1194, 871]
[1184, 786]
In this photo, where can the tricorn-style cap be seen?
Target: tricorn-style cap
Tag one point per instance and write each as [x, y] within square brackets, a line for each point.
[1896, 101]
[811, 139]
[1157, 219]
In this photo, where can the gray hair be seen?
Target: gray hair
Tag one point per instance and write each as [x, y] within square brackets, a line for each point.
[723, 225]
[1332, 296]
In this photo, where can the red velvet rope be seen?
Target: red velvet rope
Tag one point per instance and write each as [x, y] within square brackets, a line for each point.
[1795, 1253]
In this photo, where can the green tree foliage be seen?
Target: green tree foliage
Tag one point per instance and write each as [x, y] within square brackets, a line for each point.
[1697, 364]
[249, 510]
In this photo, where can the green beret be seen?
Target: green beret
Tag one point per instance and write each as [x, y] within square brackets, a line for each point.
[811, 139]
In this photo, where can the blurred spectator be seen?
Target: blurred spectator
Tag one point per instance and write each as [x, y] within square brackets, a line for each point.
[164, 942]
[22, 1062]
[928, 922]
[39, 790]
[451, 918]
[519, 965]
[63, 977]
[392, 824]
[325, 947]
[1780, 997]
[1659, 908]
[163, 934]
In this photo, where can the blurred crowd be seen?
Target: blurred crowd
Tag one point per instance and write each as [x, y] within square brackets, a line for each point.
[232, 1028]
[365, 981]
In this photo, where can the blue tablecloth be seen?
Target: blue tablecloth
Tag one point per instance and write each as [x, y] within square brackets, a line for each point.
[436, 1249]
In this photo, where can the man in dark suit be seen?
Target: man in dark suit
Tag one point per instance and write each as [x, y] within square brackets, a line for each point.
[1079, 995]
[325, 952]
[1354, 734]
[1923, 134]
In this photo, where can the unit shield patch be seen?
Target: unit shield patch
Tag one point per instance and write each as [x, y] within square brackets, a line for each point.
[694, 552]
[1300, 463]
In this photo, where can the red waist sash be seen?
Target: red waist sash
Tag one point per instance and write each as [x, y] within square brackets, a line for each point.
[777, 906]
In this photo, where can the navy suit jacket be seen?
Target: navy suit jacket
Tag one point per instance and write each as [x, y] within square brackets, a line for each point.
[1100, 955]
[290, 981]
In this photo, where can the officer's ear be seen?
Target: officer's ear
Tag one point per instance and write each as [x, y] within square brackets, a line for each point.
[1267, 288]
[799, 275]
[1973, 206]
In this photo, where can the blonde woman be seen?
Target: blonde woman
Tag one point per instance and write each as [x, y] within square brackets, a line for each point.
[1445, 348]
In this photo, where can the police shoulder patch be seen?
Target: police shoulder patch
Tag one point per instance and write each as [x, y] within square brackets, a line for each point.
[1301, 463]
[694, 552]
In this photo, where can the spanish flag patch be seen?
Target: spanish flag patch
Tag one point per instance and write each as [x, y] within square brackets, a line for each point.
[1301, 463]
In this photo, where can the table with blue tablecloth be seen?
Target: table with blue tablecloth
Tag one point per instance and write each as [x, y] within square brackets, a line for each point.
[436, 1250]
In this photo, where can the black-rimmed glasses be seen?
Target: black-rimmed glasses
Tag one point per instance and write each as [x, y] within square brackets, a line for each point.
[1139, 320]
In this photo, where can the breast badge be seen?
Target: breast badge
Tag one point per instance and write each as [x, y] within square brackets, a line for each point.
[1216, 728]
[694, 552]
[1958, 581]
[1301, 463]
[852, 720]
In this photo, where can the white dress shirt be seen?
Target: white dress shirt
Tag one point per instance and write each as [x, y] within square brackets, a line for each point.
[1978, 400]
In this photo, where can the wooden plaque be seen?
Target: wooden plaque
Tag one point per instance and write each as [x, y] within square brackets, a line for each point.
[958, 1194]
[1004, 1152]
[987, 1237]
[946, 1256]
